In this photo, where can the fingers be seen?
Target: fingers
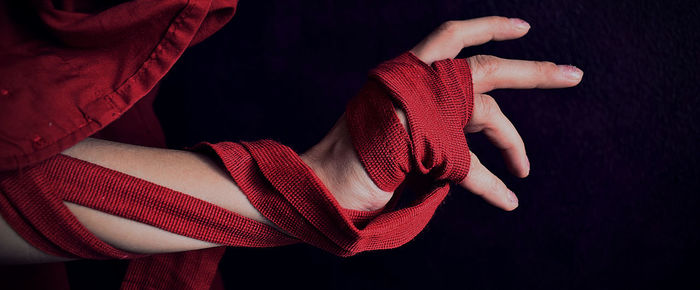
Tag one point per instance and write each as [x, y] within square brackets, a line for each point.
[489, 119]
[449, 39]
[490, 72]
[482, 182]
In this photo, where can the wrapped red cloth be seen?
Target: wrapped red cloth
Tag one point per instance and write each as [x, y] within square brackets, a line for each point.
[437, 100]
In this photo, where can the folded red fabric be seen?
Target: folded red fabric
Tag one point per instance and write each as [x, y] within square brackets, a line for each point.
[437, 100]
[71, 67]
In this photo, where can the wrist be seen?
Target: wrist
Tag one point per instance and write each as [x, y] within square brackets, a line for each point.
[336, 164]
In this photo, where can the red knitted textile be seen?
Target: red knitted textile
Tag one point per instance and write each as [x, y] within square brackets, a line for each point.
[437, 101]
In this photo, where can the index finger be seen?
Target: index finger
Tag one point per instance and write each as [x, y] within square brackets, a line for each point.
[452, 36]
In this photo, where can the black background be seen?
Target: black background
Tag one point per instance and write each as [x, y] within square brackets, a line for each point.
[612, 199]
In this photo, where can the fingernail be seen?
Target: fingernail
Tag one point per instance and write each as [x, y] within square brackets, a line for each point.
[512, 198]
[571, 72]
[520, 24]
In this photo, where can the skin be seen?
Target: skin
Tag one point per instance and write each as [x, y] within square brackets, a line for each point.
[333, 159]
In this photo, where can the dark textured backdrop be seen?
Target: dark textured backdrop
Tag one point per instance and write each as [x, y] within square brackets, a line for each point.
[612, 199]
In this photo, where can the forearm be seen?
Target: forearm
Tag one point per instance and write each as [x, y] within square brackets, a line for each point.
[183, 171]
[333, 160]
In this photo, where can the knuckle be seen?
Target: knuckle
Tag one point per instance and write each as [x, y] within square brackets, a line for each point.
[449, 27]
[489, 106]
[497, 20]
[494, 186]
[545, 67]
[483, 65]
[474, 159]
[474, 168]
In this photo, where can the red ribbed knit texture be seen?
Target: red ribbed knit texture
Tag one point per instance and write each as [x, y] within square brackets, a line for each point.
[438, 103]
[437, 100]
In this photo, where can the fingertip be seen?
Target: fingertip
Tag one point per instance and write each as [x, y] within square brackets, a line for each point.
[526, 169]
[519, 24]
[571, 73]
[525, 173]
[512, 201]
[504, 28]
[519, 169]
[580, 77]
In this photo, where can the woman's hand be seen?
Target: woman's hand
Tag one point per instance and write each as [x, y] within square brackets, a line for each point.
[337, 165]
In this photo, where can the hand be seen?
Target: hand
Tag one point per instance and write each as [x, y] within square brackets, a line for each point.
[336, 163]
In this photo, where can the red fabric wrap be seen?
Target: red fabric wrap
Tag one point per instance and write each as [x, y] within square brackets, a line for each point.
[437, 101]
[285, 190]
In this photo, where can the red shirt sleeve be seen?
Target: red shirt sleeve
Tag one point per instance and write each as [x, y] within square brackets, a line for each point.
[69, 68]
